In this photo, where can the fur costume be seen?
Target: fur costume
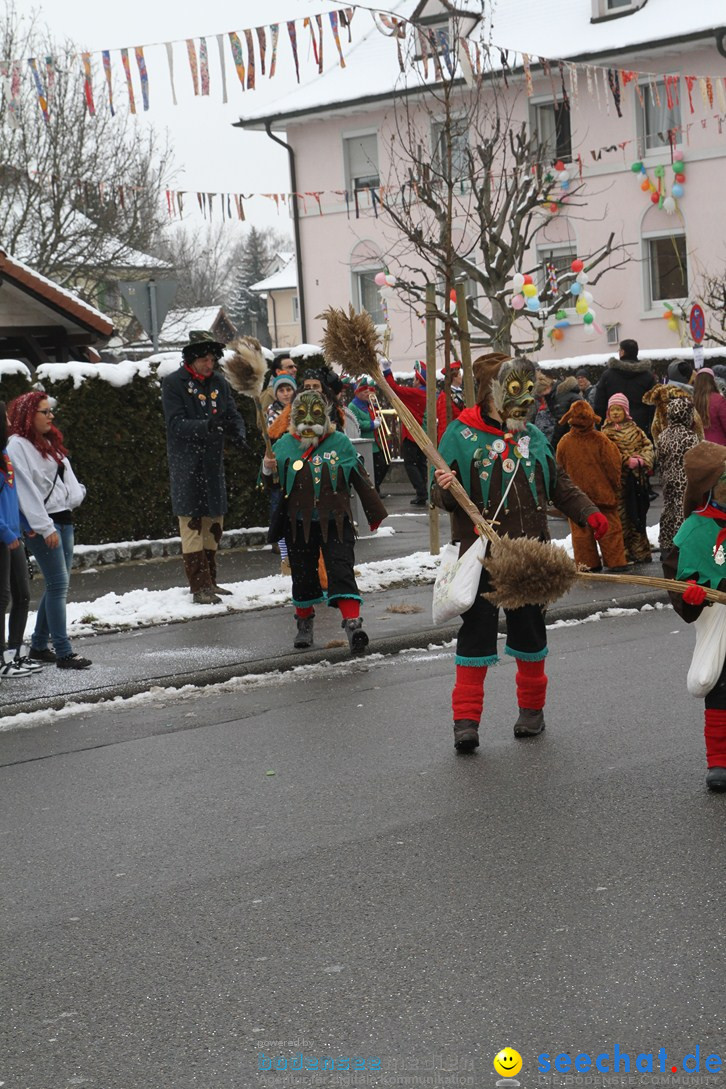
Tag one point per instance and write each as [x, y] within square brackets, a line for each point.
[699, 555]
[593, 463]
[509, 471]
[631, 441]
[659, 397]
[678, 436]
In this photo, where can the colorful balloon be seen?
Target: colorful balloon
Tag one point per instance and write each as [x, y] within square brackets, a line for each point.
[527, 279]
[680, 178]
[561, 315]
[669, 206]
[517, 302]
[645, 185]
[576, 288]
[529, 290]
[380, 279]
[581, 306]
[557, 334]
[636, 167]
[677, 191]
[583, 278]
[588, 318]
[679, 166]
[673, 325]
[517, 281]
[577, 265]
[655, 198]
[667, 314]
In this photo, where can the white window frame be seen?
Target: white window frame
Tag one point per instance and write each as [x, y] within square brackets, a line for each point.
[349, 180]
[655, 151]
[652, 305]
[604, 9]
[613, 333]
[357, 294]
[535, 105]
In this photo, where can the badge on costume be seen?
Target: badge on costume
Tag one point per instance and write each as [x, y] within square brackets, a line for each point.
[523, 446]
[718, 555]
[297, 465]
[466, 433]
[499, 446]
[508, 465]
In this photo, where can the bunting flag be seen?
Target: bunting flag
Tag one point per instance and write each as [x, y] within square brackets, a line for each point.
[222, 67]
[423, 42]
[129, 84]
[527, 75]
[309, 23]
[237, 57]
[193, 67]
[292, 31]
[42, 100]
[442, 36]
[106, 57]
[250, 61]
[262, 43]
[346, 18]
[49, 73]
[170, 62]
[467, 67]
[87, 84]
[143, 74]
[333, 16]
[204, 66]
[274, 35]
[10, 73]
[319, 21]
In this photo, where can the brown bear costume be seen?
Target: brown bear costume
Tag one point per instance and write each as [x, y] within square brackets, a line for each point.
[592, 462]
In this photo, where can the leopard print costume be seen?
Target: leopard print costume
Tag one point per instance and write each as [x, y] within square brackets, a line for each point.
[678, 436]
[631, 442]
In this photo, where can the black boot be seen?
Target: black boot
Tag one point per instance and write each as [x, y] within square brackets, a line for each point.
[530, 723]
[466, 735]
[357, 638]
[304, 637]
[716, 779]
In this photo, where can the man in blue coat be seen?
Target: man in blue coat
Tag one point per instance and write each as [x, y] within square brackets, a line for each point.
[199, 410]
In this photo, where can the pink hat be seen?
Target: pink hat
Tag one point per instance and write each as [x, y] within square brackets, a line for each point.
[705, 370]
[621, 401]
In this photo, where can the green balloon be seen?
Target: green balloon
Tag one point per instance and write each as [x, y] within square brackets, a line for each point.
[561, 315]
[588, 318]
[636, 168]
[678, 168]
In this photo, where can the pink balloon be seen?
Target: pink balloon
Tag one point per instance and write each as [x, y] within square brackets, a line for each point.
[380, 278]
[517, 302]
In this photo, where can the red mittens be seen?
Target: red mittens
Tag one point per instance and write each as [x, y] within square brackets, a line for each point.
[695, 594]
[598, 523]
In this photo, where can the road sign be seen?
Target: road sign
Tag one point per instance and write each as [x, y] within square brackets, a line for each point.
[697, 323]
[150, 301]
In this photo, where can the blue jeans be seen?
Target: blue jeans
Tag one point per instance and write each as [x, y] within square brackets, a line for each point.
[55, 564]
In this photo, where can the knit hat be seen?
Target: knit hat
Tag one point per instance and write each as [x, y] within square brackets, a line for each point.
[621, 401]
[419, 370]
[705, 370]
[364, 383]
[703, 464]
[283, 379]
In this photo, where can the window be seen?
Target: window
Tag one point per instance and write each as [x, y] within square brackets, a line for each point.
[613, 333]
[613, 5]
[295, 308]
[667, 267]
[368, 295]
[361, 162]
[453, 134]
[551, 124]
[562, 259]
[659, 118]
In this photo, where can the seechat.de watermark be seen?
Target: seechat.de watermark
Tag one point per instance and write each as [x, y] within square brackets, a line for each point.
[301, 1061]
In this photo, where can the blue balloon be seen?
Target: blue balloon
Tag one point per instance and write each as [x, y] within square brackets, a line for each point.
[576, 288]
[677, 190]
[533, 303]
[565, 185]
[562, 324]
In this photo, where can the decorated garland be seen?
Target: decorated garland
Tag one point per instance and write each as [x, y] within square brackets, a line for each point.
[657, 188]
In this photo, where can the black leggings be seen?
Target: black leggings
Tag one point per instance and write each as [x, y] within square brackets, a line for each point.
[339, 557]
[15, 588]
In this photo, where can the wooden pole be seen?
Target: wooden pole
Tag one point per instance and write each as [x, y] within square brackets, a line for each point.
[465, 344]
[434, 542]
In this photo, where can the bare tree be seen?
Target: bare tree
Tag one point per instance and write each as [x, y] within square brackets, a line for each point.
[204, 259]
[79, 194]
[470, 191]
[714, 300]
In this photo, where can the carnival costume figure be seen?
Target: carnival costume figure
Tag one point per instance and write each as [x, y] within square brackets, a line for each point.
[317, 466]
[509, 470]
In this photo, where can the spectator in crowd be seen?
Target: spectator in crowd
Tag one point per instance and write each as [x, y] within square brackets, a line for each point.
[544, 395]
[680, 374]
[678, 436]
[200, 410]
[369, 424]
[457, 400]
[278, 365]
[14, 588]
[631, 377]
[637, 457]
[414, 460]
[585, 386]
[48, 493]
[567, 393]
[710, 406]
[284, 387]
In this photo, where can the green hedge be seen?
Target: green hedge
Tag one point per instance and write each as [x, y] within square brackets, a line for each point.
[117, 445]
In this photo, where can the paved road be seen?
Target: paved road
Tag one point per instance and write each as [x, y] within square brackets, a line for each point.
[171, 910]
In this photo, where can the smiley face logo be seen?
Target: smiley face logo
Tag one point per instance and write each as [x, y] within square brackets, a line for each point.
[508, 1062]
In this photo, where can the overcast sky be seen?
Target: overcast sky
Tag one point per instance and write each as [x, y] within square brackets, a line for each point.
[210, 155]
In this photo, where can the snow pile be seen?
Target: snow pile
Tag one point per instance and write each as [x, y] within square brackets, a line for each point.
[116, 374]
[14, 366]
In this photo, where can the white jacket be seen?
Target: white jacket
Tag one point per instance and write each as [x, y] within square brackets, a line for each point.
[41, 492]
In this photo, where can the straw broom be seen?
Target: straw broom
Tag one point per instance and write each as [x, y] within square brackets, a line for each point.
[523, 571]
[245, 372]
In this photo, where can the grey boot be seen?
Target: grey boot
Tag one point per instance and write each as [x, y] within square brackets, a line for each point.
[530, 723]
[304, 637]
[357, 638]
[466, 735]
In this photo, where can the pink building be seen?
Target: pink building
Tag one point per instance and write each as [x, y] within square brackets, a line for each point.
[626, 81]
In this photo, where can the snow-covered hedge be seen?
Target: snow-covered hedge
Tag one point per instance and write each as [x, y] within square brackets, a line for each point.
[113, 425]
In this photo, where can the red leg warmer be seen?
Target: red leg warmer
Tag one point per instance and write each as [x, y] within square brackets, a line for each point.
[302, 613]
[467, 699]
[715, 735]
[349, 607]
[531, 684]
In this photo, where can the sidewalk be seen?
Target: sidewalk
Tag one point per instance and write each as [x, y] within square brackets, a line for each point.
[213, 649]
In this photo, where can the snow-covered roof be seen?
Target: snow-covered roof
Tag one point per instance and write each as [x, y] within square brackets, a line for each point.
[177, 323]
[284, 279]
[559, 29]
[58, 298]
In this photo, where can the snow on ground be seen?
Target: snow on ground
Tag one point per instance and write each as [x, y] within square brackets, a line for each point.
[159, 697]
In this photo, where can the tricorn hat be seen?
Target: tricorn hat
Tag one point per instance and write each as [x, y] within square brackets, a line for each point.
[704, 465]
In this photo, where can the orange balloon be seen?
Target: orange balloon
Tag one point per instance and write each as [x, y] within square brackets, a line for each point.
[645, 186]
[557, 334]
[668, 314]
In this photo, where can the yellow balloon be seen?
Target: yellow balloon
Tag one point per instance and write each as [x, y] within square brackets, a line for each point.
[529, 290]
[582, 306]
[673, 324]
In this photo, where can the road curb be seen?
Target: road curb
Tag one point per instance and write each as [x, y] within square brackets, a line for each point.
[388, 646]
